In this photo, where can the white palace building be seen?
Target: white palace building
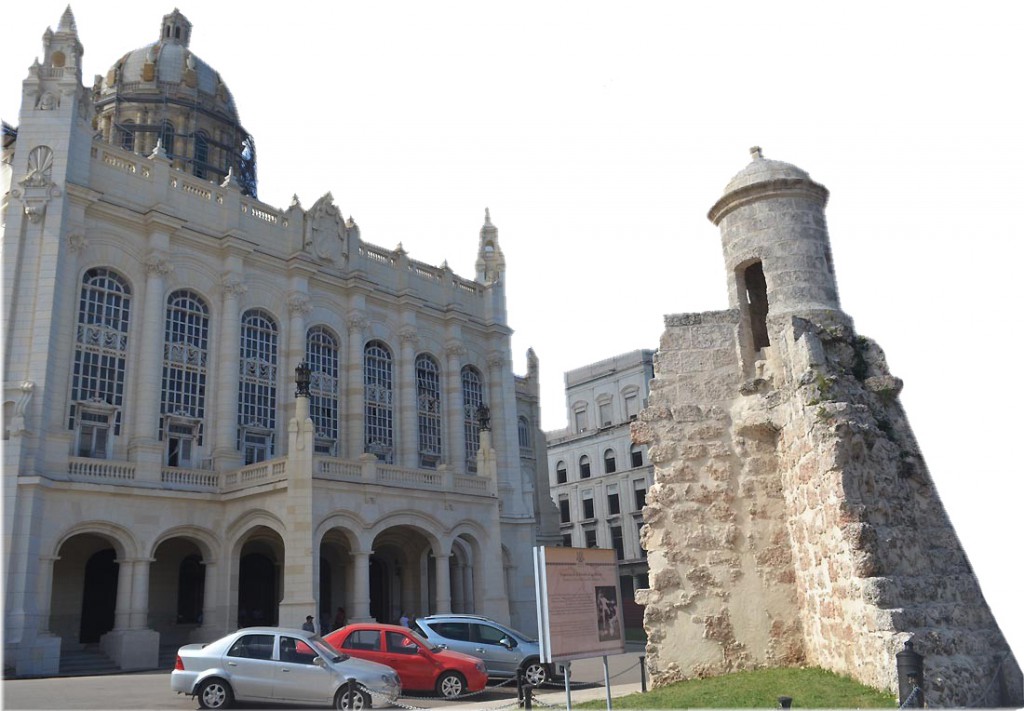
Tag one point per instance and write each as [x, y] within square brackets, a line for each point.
[170, 472]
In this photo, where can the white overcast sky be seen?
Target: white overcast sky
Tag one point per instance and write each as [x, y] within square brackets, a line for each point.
[600, 133]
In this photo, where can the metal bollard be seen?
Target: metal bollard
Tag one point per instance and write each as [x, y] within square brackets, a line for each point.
[528, 696]
[910, 676]
[785, 702]
[519, 686]
[643, 674]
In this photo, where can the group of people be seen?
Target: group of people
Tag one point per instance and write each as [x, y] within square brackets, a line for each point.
[340, 620]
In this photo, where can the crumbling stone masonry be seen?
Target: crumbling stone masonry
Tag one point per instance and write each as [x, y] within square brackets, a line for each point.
[793, 520]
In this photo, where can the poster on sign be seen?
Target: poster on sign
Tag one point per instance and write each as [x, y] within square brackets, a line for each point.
[578, 603]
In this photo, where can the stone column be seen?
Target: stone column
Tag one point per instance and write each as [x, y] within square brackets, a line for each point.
[145, 444]
[469, 599]
[227, 375]
[408, 429]
[139, 613]
[360, 610]
[213, 625]
[458, 591]
[44, 592]
[354, 390]
[122, 610]
[453, 406]
[442, 582]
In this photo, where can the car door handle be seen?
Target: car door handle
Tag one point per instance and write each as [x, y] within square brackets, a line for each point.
[232, 664]
[479, 650]
[285, 670]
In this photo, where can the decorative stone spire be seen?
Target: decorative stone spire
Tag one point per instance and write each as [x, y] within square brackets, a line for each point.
[176, 29]
[490, 262]
[67, 22]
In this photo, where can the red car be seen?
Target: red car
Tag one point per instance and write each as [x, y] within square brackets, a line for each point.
[421, 666]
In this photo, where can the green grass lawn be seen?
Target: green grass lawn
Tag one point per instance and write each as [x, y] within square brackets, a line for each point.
[809, 688]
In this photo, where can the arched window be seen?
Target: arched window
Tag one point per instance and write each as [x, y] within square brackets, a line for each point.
[200, 155]
[257, 386]
[472, 398]
[167, 137]
[428, 410]
[561, 473]
[524, 434]
[101, 350]
[636, 455]
[378, 412]
[609, 461]
[584, 467]
[183, 401]
[322, 359]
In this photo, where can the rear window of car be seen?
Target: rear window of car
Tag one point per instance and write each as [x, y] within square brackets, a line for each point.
[253, 646]
[368, 640]
[452, 630]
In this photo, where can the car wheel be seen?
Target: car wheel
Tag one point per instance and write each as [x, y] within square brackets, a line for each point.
[535, 673]
[360, 701]
[215, 694]
[451, 685]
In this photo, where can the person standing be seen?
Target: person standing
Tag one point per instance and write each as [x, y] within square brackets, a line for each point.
[404, 619]
[308, 624]
[339, 618]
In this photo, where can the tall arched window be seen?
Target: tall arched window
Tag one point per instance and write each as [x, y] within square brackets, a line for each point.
[636, 455]
[561, 473]
[428, 409]
[183, 391]
[101, 349]
[378, 412]
[200, 154]
[524, 434]
[322, 359]
[472, 398]
[257, 386]
[584, 467]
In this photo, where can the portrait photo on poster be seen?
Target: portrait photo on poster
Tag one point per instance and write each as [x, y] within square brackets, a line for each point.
[607, 604]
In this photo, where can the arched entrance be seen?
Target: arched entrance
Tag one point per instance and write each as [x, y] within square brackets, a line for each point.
[380, 591]
[177, 589]
[259, 577]
[83, 598]
[99, 596]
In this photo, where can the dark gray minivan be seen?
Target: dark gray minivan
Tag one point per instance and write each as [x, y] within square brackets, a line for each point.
[502, 649]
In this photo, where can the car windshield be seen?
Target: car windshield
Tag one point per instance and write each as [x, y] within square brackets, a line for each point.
[325, 650]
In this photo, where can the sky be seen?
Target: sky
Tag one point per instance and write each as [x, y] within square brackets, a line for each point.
[599, 135]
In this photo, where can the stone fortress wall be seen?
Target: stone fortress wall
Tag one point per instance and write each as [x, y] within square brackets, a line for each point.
[793, 520]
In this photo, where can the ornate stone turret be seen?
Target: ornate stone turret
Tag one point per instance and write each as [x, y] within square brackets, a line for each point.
[490, 267]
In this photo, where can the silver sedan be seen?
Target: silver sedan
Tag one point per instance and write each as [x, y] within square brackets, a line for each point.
[283, 666]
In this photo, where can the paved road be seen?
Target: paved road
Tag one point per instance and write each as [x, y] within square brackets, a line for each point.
[151, 690]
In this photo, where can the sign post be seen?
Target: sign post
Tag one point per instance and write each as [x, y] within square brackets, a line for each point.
[579, 610]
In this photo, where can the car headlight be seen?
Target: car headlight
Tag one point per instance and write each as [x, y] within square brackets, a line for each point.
[389, 679]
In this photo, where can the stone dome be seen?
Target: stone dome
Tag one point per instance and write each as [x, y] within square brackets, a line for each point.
[170, 68]
[761, 170]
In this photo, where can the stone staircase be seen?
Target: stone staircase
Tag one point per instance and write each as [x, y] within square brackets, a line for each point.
[88, 660]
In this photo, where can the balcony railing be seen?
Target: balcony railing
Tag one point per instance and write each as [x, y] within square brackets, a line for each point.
[367, 470]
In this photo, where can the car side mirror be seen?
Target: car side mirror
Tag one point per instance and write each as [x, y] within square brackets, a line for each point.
[319, 661]
[509, 642]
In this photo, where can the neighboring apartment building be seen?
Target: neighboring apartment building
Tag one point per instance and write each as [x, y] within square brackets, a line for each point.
[598, 477]
[162, 481]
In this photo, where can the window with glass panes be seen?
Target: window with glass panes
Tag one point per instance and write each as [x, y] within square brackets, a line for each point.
[561, 473]
[616, 534]
[183, 391]
[567, 540]
[609, 461]
[472, 398]
[588, 504]
[257, 386]
[563, 509]
[378, 398]
[428, 409]
[322, 359]
[584, 467]
[524, 434]
[101, 348]
[640, 494]
[590, 538]
[636, 455]
[612, 491]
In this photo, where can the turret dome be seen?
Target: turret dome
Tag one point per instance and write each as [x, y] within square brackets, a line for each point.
[762, 170]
